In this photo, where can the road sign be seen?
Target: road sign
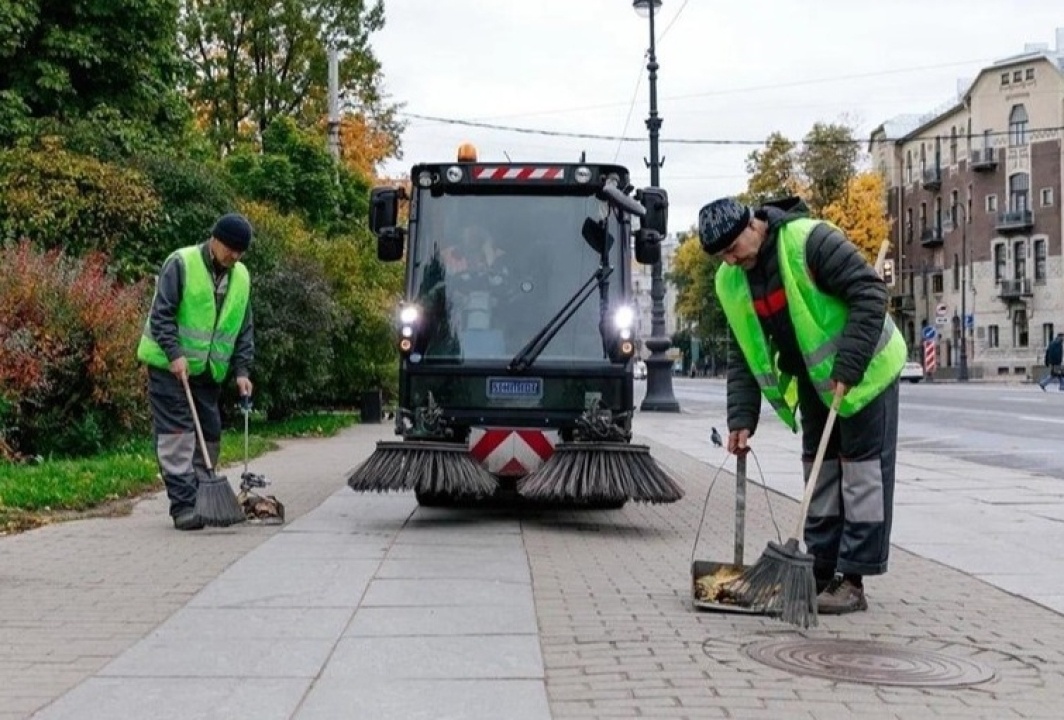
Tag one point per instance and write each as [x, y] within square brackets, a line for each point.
[941, 320]
[941, 310]
[930, 332]
[969, 321]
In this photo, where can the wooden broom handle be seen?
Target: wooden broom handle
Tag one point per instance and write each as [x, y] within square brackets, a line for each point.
[821, 451]
[195, 421]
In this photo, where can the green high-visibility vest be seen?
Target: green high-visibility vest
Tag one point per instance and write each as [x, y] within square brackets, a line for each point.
[818, 320]
[207, 337]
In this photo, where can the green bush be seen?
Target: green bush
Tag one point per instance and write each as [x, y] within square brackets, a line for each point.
[69, 380]
[77, 204]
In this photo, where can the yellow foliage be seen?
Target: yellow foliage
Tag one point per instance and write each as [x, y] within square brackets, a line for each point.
[690, 273]
[364, 146]
[862, 213]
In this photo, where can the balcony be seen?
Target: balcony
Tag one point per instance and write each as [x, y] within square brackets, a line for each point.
[931, 178]
[931, 237]
[1014, 289]
[983, 160]
[1015, 221]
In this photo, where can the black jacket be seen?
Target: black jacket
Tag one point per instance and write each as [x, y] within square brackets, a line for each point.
[838, 269]
[1055, 352]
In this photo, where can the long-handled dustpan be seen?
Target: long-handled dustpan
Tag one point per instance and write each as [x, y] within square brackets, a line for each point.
[711, 580]
[260, 509]
[216, 503]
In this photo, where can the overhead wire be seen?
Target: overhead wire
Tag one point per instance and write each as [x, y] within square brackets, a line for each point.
[693, 141]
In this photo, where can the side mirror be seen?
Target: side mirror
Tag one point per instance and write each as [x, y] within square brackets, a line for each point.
[656, 202]
[647, 246]
[383, 208]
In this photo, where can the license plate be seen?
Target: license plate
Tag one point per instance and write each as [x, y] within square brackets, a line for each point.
[515, 388]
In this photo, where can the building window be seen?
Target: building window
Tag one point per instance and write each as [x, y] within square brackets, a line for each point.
[1020, 329]
[999, 262]
[1040, 260]
[1017, 76]
[1047, 333]
[936, 283]
[938, 214]
[968, 214]
[1029, 74]
[956, 272]
[1018, 126]
[991, 203]
[1019, 186]
[909, 224]
[1047, 197]
[1019, 260]
[953, 146]
[923, 217]
[1004, 78]
[992, 336]
[953, 208]
[908, 166]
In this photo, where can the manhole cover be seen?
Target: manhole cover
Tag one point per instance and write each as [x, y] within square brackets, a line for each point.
[870, 662]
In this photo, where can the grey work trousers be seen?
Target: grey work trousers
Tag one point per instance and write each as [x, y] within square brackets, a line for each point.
[176, 447]
[848, 526]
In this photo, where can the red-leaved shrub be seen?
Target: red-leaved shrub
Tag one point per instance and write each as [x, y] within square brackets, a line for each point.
[70, 383]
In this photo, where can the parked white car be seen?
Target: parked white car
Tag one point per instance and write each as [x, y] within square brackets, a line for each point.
[913, 372]
[640, 370]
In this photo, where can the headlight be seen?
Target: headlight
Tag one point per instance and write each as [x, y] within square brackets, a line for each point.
[408, 315]
[624, 317]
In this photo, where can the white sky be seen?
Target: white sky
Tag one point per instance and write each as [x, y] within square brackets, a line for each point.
[730, 70]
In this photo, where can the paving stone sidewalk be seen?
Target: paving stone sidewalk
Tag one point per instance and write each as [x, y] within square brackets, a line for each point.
[367, 607]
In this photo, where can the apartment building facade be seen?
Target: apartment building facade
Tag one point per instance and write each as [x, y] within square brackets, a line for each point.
[974, 195]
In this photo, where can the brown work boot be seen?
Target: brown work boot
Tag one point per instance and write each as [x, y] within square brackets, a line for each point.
[841, 596]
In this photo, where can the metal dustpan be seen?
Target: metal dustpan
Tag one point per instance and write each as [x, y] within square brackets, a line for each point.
[709, 579]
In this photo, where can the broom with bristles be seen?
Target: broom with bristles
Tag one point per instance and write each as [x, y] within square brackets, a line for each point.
[434, 468]
[596, 472]
[782, 582]
[216, 503]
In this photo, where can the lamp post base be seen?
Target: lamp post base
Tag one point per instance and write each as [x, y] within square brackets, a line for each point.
[659, 397]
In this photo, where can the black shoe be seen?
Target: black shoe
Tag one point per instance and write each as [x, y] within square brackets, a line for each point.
[840, 597]
[188, 520]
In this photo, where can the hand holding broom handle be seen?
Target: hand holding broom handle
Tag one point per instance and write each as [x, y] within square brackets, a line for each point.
[196, 422]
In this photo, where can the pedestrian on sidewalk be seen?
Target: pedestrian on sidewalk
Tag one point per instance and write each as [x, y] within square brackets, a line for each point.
[807, 313]
[199, 329]
[1054, 360]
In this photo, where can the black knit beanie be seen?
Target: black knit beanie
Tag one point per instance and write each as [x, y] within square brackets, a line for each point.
[234, 231]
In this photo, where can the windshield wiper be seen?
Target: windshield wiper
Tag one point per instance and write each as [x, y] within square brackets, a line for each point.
[532, 350]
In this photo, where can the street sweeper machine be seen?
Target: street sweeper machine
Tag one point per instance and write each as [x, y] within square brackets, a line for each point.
[516, 334]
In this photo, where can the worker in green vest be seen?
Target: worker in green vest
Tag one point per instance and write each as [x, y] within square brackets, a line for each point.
[807, 315]
[199, 330]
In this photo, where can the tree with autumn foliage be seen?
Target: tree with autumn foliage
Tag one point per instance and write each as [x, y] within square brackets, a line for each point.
[694, 274]
[861, 213]
[773, 171]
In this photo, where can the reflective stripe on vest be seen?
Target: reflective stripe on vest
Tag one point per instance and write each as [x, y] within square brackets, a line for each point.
[818, 319]
[207, 337]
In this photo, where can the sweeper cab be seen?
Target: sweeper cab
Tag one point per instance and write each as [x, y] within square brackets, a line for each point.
[516, 334]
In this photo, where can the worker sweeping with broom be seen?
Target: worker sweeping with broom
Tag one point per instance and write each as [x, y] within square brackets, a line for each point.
[198, 330]
[810, 332]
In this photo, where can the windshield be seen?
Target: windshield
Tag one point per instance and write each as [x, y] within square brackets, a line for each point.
[490, 271]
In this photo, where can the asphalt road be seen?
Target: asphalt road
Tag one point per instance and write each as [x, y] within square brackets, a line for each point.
[1014, 426]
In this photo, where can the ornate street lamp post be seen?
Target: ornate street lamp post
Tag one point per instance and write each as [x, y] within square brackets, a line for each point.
[659, 397]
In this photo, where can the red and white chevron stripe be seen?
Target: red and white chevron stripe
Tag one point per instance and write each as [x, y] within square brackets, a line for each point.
[511, 452]
[516, 172]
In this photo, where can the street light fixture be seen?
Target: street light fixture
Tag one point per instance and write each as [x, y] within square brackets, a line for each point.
[659, 397]
[962, 370]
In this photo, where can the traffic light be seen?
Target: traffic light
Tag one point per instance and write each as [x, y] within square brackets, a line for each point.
[888, 272]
